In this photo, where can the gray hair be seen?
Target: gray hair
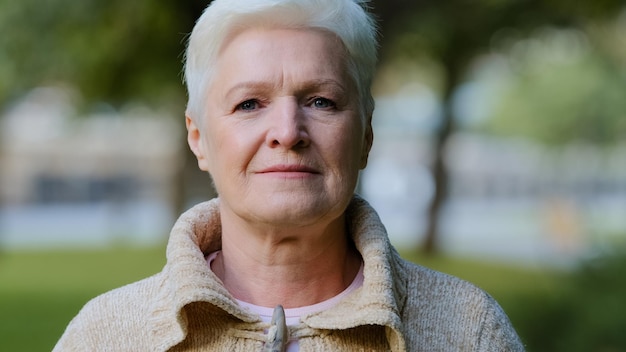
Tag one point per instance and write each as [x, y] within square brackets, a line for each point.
[347, 19]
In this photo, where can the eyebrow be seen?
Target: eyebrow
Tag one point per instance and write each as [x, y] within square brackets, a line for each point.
[307, 86]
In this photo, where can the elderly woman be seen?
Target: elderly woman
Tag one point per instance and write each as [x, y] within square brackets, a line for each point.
[287, 257]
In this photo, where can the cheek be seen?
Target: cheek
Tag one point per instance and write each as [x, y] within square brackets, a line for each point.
[356, 135]
[347, 147]
[231, 149]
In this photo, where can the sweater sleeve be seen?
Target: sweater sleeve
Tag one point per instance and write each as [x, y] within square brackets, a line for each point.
[497, 333]
[450, 314]
[75, 335]
[113, 321]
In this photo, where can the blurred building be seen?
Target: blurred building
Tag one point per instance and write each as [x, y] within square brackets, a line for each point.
[69, 180]
[509, 199]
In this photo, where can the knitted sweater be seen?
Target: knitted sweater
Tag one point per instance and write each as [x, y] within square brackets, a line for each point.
[400, 307]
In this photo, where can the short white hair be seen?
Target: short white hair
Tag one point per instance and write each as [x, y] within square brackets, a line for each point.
[349, 20]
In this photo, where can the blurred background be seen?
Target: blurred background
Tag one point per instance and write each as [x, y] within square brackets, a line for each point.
[499, 155]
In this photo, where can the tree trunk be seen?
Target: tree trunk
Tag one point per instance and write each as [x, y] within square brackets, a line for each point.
[430, 245]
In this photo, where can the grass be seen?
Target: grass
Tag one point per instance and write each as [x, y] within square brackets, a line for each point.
[505, 282]
[41, 291]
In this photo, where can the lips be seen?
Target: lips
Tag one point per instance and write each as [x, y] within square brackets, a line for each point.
[288, 169]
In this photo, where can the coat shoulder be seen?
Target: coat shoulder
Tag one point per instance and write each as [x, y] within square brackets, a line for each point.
[112, 314]
[450, 312]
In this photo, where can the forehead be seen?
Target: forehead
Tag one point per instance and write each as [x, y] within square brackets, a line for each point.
[272, 53]
[259, 37]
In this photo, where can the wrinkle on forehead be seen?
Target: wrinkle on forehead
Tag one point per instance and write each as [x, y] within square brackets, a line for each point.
[236, 72]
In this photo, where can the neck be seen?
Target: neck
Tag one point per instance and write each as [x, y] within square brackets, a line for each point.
[291, 267]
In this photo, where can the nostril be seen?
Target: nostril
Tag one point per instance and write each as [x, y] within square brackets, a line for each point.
[301, 143]
[298, 144]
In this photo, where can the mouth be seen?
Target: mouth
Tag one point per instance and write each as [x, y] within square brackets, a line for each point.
[288, 170]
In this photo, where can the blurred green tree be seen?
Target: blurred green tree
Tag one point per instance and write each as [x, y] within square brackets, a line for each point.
[452, 34]
[587, 313]
[562, 85]
[112, 51]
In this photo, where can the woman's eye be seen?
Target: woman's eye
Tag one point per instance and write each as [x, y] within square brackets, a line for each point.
[323, 103]
[248, 105]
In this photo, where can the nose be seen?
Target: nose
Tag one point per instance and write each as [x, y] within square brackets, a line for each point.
[287, 125]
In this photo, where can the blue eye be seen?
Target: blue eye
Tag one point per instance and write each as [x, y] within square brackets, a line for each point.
[323, 103]
[248, 105]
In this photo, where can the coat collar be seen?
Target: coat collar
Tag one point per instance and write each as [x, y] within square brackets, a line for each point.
[381, 298]
[186, 278]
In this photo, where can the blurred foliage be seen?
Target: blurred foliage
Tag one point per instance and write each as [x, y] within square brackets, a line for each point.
[568, 60]
[455, 32]
[562, 91]
[112, 51]
[587, 315]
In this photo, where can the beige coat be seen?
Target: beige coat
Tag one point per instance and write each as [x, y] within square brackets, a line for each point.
[185, 307]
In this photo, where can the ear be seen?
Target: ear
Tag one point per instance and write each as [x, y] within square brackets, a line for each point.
[367, 145]
[194, 139]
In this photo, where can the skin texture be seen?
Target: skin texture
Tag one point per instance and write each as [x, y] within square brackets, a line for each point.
[283, 140]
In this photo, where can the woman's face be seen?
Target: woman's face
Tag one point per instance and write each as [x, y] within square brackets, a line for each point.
[281, 135]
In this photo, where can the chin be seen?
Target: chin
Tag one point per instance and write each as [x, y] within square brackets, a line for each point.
[298, 213]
